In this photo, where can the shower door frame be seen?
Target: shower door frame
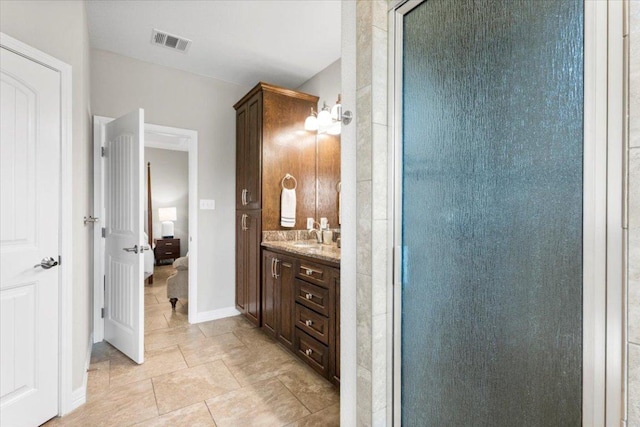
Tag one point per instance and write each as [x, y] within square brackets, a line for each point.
[603, 321]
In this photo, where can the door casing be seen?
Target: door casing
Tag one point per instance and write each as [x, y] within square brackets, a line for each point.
[602, 223]
[68, 399]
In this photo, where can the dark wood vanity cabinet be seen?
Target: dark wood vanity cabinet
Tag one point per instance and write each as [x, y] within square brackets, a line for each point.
[248, 237]
[336, 358]
[277, 296]
[317, 341]
[300, 309]
[270, 142]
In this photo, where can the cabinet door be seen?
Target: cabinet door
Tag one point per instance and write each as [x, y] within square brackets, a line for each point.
[269, 285]
[252, 266]
[241, 257]
[241, 150]
[285, 271]
[253, 153]
[336, 366]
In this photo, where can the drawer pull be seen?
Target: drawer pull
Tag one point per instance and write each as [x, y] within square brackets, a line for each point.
[310, 271]
[308, 322]
[308, 352]
[168, 253]
[309, 296]
[168, 243]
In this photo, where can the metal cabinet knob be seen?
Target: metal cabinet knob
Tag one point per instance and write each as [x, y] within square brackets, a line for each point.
[308, 322]
[308, 352]
[309, 296]
[309, 272]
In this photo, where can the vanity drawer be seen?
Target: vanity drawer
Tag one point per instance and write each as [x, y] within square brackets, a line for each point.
[313, 352]
[315, 273]
[312, 296]
[312, 323]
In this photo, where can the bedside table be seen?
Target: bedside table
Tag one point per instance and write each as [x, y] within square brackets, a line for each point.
[167, 249]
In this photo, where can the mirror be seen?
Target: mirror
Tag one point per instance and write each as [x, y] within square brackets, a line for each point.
[327, 177]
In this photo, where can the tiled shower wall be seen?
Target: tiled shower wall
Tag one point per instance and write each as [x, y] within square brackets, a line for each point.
[633, 296]
[372, 206]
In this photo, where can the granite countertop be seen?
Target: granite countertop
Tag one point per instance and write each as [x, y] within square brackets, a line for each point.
[308, 248]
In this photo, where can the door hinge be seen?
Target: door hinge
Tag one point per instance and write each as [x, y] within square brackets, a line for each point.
[59, 260]
[104, 232]
[103, 151]
[102, 312]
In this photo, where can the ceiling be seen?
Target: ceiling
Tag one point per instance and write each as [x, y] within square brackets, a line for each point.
[282, 42]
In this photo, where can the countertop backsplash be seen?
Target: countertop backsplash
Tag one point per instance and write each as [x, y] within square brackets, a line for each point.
[285, 235]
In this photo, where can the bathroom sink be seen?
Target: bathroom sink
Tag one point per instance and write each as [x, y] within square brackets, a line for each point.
[305, 245]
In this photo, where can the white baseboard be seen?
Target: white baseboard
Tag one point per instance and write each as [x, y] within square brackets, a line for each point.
[220, 313]
[79, 395]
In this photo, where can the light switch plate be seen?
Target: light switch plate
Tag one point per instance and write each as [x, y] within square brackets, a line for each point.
[309, 223]
[324, 222]
[206, 204]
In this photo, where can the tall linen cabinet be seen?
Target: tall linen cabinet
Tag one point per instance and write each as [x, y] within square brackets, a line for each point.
[270, 143]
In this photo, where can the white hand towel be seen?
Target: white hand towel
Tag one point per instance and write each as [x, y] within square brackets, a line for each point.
[288, 208]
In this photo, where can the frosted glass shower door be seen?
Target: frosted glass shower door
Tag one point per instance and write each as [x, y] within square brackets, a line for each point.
[492, 213]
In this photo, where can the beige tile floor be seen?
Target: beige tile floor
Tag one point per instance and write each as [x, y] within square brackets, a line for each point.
[220, 373]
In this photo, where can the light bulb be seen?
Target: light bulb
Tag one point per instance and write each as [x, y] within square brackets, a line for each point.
[311, 123]
[324, 118]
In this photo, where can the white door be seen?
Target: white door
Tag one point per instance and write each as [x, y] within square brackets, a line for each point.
[29, 213]
[124, 246]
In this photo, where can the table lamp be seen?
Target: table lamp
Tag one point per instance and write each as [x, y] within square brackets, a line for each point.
[167, 216]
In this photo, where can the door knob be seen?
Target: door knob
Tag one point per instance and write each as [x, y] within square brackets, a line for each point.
[133, 249]
[46, 263]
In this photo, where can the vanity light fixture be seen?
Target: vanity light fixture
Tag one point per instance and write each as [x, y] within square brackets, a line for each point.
[328, 120]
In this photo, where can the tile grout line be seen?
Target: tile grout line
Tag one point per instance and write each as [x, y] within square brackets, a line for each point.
[183, 357]
[155, 396]
[295, 397]
[231, 372]
[210, 414]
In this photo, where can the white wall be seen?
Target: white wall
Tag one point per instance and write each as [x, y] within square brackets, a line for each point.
[59, 28]
[326, 84]
[170, 188]
[176, 98]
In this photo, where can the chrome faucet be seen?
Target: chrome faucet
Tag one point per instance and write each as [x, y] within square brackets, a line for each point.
[317, 231]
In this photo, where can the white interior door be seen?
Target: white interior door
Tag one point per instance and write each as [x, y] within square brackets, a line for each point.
[29, 213]
[124, 246]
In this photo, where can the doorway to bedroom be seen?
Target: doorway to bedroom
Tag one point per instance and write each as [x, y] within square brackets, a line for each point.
[166, 293]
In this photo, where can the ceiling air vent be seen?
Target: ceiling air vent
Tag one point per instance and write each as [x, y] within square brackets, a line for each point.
[170, 41]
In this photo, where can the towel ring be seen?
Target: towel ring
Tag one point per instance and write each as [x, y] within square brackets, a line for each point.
[295, 182]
